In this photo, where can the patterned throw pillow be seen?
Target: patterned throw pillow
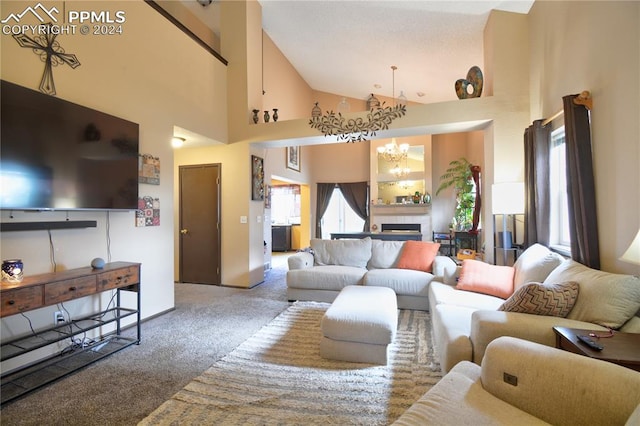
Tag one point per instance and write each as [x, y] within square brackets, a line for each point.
[551, 300]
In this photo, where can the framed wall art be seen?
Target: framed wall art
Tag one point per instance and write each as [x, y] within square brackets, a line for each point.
[148, 169]
[293, 158]
[148, 213]
[257, 178]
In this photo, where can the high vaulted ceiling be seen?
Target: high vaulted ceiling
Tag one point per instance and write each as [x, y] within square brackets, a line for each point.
[348, 47]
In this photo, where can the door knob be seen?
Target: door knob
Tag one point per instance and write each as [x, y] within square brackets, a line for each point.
[184, 231]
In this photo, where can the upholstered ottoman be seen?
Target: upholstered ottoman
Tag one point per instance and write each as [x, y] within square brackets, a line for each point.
[359, 325]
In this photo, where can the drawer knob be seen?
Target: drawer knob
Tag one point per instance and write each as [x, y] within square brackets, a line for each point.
[72, 288]
[12, 302]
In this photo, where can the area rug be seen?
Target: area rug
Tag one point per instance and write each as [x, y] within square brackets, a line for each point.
[278, 377]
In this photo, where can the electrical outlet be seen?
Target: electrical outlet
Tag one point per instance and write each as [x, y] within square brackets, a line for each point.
[58, 317]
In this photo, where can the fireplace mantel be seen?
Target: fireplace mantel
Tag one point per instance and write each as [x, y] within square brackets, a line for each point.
[400, 209]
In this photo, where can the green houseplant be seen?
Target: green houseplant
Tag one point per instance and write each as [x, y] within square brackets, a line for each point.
[459, 176]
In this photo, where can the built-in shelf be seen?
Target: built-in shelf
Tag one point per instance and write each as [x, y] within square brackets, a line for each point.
[39, 226]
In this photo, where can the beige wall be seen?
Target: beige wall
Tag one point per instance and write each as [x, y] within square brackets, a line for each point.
[140, 76]
[595, 46]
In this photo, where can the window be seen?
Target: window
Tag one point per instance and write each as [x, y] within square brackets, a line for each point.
[559, 210]
[340, 217]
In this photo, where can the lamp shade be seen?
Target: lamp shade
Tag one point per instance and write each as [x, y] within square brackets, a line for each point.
[507, 198]
[632, 255]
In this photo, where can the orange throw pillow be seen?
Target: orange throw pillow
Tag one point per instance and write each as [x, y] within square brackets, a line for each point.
[485, 278]
[418, 255]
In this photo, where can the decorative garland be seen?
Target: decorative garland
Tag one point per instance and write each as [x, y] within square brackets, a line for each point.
[357, 129]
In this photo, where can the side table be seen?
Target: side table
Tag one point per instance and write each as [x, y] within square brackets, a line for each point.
[622, 348]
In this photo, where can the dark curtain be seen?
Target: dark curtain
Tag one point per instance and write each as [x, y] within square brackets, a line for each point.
[477, 208]
[581, 191]
[536, 184]
[322, 202]
[357, 196]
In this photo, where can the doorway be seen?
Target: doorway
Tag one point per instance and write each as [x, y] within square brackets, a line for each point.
[199, 209]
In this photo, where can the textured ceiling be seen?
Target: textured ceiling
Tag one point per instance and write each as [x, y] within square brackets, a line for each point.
[348, 47]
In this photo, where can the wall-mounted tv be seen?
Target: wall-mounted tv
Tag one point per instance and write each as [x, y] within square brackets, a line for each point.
[57, 155]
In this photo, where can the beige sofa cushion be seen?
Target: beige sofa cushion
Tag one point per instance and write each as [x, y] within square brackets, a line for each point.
[605, 298]
[534, 265]
[451, 326]
[447, 295]
[354, 253]
[328, 277]
[402, 281]
[384, 254]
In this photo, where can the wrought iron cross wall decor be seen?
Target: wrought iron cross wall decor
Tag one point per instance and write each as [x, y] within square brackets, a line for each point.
[50, 53]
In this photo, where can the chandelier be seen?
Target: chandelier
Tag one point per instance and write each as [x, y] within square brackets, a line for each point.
[357, 129]
[394, 153]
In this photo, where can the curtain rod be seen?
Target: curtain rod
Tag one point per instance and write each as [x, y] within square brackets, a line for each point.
[553, 117]
[584, 98]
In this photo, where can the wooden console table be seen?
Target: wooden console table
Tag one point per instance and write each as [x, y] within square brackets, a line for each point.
[48, 289]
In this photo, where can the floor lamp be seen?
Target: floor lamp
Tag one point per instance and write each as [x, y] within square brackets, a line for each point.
[507, 199]
[632, 255]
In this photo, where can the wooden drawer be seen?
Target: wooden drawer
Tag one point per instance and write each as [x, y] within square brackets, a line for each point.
[118, 278]
[69, 289]
[21, 300]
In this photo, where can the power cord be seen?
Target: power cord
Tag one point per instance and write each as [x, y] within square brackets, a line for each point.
[31, 327]
[108, 231]
[52, 252]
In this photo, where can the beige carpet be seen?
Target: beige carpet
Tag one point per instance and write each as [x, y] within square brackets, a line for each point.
[278, 377]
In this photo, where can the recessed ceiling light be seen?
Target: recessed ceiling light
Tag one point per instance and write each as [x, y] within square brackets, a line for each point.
[177, 142]
[421, 94]
[377, 86]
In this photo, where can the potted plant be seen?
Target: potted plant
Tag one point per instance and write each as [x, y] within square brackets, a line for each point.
[459, 176]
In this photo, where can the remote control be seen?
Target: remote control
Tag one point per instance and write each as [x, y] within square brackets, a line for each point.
[589, 342]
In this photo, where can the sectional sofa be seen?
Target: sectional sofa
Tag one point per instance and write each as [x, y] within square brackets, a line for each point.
[328, 266]
[473, 304]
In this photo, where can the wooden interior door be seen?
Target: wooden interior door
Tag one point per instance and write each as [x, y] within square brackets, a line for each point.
[200, 242]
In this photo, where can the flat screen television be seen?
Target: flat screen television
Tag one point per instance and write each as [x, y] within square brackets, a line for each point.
[57, 155]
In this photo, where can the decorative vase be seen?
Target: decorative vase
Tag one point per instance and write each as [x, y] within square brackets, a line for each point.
[255, 116]
[275, 114]
[12, 270]
[266, 116]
